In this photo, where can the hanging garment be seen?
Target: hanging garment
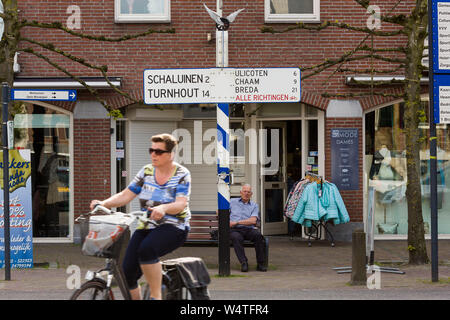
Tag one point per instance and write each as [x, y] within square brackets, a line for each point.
[311, 207]
[293, 198]
[333, 205]
[307, 209]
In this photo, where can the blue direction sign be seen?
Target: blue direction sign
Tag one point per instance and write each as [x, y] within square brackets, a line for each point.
[441, 98]
[39, 94]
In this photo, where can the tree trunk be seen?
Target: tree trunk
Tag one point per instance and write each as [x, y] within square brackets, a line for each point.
[9, 42]
[413, 112]
[8, 45]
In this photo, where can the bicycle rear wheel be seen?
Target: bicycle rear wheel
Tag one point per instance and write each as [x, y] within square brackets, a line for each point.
[93, 290]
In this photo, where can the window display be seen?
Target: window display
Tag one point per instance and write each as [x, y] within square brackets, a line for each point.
[386, 172]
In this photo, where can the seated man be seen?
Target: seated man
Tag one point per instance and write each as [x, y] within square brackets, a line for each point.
[244, 215]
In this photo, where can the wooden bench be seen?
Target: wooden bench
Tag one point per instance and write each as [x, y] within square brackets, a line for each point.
[202, 223]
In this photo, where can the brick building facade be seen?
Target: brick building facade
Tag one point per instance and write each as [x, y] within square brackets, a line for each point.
[95, 170]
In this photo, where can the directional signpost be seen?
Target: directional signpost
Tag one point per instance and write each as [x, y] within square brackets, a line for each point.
[221, 85]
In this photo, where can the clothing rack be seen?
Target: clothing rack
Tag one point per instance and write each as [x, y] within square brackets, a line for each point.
[320, 225]
[317, 235]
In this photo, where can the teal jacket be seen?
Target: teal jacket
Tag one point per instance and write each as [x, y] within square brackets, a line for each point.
[329, 206]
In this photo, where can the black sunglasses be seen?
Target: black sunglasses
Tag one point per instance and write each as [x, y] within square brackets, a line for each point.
[158, 152]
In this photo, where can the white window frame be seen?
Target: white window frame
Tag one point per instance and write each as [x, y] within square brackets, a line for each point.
[292, 17]
[141, 18]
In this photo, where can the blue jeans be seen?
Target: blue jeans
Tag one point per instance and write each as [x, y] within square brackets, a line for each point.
[147, 246]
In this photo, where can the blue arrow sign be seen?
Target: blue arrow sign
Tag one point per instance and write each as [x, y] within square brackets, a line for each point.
[40, 94]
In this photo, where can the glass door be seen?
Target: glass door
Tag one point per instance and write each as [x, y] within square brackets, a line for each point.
[273, 176]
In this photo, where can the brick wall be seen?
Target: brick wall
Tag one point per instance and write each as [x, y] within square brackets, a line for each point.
[92, 159]
[188, 47]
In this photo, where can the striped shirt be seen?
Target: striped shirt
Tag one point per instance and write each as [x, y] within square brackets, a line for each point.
[151, 194]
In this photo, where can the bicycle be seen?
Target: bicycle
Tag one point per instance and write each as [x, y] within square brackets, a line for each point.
[97, 288]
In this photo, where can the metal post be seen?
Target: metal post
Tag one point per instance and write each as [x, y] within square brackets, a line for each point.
[359, 276]
[6, 224]
[223, 169]
[433, 152]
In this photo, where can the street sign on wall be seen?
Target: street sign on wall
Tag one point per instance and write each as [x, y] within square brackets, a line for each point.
[221, 85]
[42, 95]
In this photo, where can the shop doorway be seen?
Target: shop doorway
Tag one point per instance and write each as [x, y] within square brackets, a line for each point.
[298, 146]
[273, 176]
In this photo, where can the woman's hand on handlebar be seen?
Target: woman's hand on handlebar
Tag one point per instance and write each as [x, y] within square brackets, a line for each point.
[94, 203]
[156, 213]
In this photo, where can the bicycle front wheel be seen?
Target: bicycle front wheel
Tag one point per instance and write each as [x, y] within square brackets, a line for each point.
[93, 290]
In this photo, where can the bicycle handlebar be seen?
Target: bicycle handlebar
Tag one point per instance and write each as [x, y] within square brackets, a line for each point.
[138, 214]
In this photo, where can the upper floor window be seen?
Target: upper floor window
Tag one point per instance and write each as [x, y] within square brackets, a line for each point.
[290, 11]
[142, 11]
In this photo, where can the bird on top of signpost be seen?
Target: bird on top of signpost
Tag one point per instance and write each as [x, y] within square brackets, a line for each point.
[222, 23]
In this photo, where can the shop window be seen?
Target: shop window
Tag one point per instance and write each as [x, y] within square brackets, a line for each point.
[292, 11]
[46, 133]
[386, 171]
[142, 11]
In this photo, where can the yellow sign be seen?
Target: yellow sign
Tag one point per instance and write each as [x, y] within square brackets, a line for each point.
[19, 170]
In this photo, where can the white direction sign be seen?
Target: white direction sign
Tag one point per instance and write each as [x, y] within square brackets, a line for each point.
[54, 95]
[221, 85]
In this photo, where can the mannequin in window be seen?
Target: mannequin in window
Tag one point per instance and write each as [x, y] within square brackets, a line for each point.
[385, 172]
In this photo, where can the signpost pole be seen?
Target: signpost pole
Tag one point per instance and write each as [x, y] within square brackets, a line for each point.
[223, 169]
[433, 151]
[6, 223]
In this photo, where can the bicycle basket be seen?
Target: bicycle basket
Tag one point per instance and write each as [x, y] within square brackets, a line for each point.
[104, 232]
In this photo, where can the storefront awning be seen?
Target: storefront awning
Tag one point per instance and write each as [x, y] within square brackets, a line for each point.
[66, 83]
[367, 80]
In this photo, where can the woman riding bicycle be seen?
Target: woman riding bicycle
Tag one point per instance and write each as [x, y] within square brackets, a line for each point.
[163, 187]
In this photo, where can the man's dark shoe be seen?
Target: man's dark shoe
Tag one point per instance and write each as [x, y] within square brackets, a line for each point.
[261, 268]
[244, 267]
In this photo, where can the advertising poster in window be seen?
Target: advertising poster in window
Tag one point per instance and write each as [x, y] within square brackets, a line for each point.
[20, 210]
[345, 158]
